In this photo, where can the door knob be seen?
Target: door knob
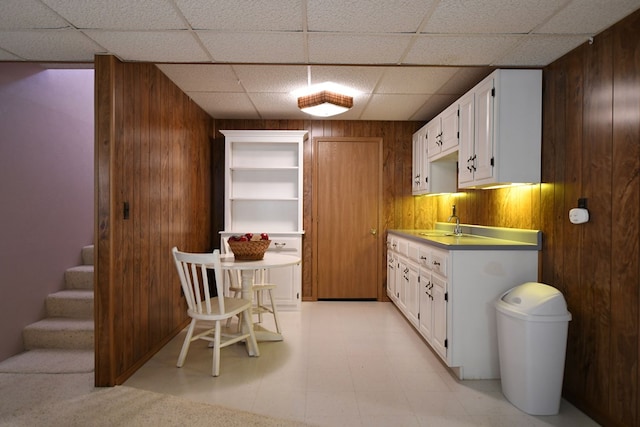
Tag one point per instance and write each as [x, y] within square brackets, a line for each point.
[373, 231]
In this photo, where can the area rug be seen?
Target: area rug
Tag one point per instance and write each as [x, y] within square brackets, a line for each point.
[127, 406]
[49, 361]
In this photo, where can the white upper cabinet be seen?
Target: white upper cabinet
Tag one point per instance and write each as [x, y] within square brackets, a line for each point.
[507, 139]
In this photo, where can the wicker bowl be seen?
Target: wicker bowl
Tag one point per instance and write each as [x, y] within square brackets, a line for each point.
[249, 250]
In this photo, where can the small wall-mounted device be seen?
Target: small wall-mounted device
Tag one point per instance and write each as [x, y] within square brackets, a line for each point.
[579, 215]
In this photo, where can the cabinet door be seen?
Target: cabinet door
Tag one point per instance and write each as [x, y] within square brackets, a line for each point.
[287, 293]
[413, 293]
[433, 137]
[288, 279]
[484, 130]
[391, 276]
[449, 128]
[418, 178]
[402, 278]
[426, 305]
[466, 128]
[439, 331]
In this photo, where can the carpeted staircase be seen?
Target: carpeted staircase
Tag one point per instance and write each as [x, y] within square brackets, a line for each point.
[69, 323]
[63, 341]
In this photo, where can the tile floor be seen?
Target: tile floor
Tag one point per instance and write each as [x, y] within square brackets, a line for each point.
[341, 364]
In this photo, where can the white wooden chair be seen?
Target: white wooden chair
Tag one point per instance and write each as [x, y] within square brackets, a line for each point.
[260, 287]
[192, 269]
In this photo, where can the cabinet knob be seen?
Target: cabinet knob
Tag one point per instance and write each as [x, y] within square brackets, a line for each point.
[373, 231]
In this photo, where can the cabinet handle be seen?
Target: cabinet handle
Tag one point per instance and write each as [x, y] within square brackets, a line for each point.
[436, 263]
[280, 245]
[423, 257]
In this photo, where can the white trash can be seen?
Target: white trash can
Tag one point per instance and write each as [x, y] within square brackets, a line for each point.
[532, 321]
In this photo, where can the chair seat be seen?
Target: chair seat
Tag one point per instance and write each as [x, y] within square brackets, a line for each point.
[232, 306]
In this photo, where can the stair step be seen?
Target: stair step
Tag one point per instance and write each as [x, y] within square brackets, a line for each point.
[80, 277]
[77, 304]
[59, 332]
[87, 255]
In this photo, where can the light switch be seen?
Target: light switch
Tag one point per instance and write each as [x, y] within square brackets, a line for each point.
[578, 215]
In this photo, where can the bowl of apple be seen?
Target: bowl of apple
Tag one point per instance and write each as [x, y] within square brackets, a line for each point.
[249, 246]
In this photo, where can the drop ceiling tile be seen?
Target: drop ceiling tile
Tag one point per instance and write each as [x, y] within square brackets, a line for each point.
[243, 15]
[416, 80]
[536, 51]
[49, 45]
[392, 107]
[459, 50]
[202, 77]
[119, 14]
[277, 106]
[152, 46]
[28, 14]
[588, 16]
[254, 47]
[366, 16]
[225, 105]
[7, 56]
[271, 78]
[360, 78]
[489, 16]
[356, 49]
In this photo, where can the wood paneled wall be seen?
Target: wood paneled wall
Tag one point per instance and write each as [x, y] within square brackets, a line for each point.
[396, 168]
[591, 150]
[153, 153]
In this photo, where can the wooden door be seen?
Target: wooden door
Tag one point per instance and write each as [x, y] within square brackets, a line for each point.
[347, 200]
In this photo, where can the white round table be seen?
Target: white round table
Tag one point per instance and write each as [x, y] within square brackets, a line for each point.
[247, 273]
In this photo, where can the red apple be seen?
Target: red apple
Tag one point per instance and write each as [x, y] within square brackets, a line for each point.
[243, 239]
[264, 236]
[249, 235]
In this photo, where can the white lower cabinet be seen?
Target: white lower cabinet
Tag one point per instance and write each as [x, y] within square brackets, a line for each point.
[455, 290]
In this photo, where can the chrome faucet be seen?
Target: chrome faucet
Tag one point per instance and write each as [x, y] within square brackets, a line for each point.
[457, 231]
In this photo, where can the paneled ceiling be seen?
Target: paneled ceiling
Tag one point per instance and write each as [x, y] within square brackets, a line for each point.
[243, 58]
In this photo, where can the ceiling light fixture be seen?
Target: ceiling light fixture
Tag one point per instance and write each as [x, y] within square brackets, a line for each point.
[325, 99]
[325, 103]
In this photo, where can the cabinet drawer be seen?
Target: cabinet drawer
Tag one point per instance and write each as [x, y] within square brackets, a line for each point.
[413, 252]
[423, 256]
[392, 243]
[285, 245]
[439, 262]
[403, 247]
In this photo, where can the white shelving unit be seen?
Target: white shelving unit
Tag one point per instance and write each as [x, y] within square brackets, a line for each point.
[263, 194]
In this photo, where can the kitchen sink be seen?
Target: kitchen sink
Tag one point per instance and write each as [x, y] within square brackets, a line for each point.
[443, 233]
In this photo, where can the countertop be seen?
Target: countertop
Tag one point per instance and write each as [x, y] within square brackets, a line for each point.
[476, 237]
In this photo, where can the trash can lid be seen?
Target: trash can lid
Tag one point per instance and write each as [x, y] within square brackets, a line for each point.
[536, 299]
